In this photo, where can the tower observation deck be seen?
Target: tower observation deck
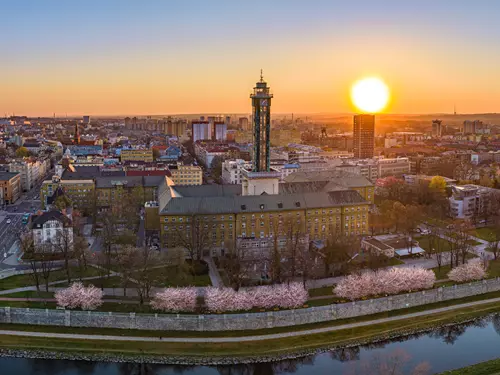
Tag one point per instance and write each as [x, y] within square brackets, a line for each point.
[261, 110]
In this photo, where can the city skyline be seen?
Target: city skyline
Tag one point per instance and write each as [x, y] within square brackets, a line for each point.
[195, 57]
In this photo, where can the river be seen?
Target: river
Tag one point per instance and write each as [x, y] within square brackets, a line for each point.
[443, 349]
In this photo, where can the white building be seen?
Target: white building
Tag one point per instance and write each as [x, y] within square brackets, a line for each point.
[393, 166]
[232, 170]
[201, 131]
[52, 228]
[470, 201]
[30, 171]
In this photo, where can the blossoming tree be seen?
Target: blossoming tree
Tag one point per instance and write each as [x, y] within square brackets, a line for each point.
[79, 296]
[175, 299]
[472, 270]
[392, 281]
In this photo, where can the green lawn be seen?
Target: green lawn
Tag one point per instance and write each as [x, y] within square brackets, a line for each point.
[493, 269]
[423, 242]
[29, 294]
[486, 233]
[19, 281]
[169, 276]
[485, 368]
[323, 291]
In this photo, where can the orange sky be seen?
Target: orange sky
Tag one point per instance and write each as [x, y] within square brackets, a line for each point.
[92, 63]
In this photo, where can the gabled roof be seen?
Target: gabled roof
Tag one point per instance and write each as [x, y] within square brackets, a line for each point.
[39, 220]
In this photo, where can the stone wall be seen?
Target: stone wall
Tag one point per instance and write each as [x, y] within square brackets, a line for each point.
[249, 321]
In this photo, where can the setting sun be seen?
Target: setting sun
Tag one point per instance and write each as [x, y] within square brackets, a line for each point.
[370, 94]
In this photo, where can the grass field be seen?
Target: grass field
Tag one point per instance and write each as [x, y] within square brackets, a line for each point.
[423, 242]
[19, 281]
[486, 233]
[485, 368]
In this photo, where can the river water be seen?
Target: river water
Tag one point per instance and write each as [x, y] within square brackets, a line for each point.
[444, 349]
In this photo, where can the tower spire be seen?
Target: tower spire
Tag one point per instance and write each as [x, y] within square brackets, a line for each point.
[261, 76]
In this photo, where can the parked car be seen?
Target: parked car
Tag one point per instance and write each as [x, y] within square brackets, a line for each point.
[9, 221]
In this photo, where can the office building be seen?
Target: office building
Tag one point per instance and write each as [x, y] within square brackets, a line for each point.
[364, 136]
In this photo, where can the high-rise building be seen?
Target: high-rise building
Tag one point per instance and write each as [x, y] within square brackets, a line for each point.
[201, 130]
[220, 131]
[86, 119]
[243, 123]
[364, 136]
[261, 105]
[437, 128]
[472, 127]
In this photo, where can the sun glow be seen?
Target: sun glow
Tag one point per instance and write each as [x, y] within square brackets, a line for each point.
[370, 94]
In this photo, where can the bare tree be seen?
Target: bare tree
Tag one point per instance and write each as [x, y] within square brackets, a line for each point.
[193, 237]
[63, 244]
[436, 245]
[108, 236]
[339, 251]
[46, 262]
[294, 242]
[27, 247]
[145, 260]
[236, 264]
[81, 253]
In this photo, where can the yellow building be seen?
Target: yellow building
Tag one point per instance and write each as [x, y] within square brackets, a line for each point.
[219, 214]
[186, 174]
[142, 155]
[79, 191]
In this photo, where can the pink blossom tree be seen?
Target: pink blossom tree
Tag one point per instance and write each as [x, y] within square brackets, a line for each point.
[472, 270]
[175, 299]
[79, 296]
[392, 281]
[283, 295]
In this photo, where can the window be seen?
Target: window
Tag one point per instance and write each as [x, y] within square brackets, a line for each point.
[280, 205]
[222, 217]
[173, 220]
[180, 220]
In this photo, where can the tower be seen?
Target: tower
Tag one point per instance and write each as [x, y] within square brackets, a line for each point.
[261, 115]
[76, 140]
[364, 136]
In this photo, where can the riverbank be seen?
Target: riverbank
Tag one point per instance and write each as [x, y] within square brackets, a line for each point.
[236, 352]
[485, 368]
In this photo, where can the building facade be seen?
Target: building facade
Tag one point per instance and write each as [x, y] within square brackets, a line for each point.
[364, 136]
[10, 184]
[140, 155]
[52, 231]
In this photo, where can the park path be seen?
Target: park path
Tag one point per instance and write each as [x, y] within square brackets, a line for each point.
[244, 338]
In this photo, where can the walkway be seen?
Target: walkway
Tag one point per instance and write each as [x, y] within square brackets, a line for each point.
[213, 272]
[243, 338]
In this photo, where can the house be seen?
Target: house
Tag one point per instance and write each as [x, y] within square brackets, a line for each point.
[52, 228]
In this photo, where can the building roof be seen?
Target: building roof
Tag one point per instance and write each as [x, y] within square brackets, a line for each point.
[128, 181]
[236, 203]
[39, 220]
[81, 173]
[6, 176]
[333, 177]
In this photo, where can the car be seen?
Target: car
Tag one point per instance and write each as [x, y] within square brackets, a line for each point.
[9, 221]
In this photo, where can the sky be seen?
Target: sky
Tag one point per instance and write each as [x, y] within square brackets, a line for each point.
[118, 57]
